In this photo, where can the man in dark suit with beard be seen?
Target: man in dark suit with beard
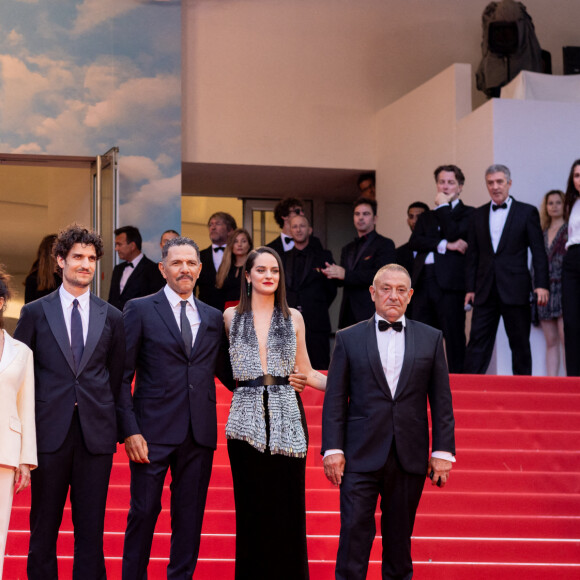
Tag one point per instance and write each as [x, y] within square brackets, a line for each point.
[137, 275]
[78, 342]
[175, 345]
[359, 262]
[438, 277]
[309, 291]
[375, 429]
[498, 281]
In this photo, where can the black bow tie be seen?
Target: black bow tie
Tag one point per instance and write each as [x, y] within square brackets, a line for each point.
[219, 249]
[501, 206]
[288, 239]
[396, 326]
[129, 265]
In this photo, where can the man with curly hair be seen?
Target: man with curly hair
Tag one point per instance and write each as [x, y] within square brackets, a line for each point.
[78, 342]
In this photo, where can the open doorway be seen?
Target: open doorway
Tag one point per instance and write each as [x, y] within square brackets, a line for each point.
[41, 194]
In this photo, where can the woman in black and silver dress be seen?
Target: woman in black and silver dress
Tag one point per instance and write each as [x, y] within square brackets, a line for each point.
[266, 428]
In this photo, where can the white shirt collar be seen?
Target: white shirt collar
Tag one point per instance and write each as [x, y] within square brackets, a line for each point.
[67, 298]
[175, 299]
[135, 261]
[402, 319]
[508, 202]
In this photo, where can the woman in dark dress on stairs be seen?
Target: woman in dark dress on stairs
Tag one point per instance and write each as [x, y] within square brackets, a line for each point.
[266, 428]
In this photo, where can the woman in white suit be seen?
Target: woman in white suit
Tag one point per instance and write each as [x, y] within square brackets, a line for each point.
[17, 426]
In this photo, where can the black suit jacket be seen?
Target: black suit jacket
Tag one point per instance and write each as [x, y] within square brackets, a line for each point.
[173, 392]
[361, 262]
[405, 257]
[145, 280]
[508, 267]
[206, 290]
[361, 417]
[432, 227]
[311, 291]
[95, 387]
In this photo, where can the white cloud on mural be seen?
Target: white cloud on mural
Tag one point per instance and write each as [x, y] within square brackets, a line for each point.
[14, 38]
[135, 99]
[137, 168]
[92, 13]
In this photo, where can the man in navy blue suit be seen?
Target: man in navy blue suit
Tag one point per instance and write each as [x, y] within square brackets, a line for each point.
[375, 430]
[78, 342]
[174, 344]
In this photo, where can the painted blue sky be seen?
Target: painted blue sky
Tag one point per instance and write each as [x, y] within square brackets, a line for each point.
[80, 76]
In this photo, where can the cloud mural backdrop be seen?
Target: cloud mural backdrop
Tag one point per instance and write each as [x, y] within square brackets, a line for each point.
[80, 76]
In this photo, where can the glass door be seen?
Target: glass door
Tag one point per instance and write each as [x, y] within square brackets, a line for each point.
[105, 209]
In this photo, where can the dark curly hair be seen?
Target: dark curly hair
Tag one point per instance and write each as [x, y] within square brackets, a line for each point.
[282, 209]
[4, 292]
[76, 234]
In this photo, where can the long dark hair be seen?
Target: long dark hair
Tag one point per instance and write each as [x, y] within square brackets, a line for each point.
[571, 192]
[45, 265]
[226, 264]
[245, 304]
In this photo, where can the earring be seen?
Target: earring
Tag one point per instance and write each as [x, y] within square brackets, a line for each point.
[249, 288]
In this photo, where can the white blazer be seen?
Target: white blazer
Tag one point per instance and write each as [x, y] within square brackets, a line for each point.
[17, 422]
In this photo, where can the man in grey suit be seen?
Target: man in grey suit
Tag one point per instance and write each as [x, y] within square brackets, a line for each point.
[375, 430]
[78, 342]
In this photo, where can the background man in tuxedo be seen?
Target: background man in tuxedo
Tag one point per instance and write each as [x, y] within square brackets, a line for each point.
[220, 226]
[359, 262]
[375, 432]
[166, 236]
[137, 275]
[78, 343]
[309, 290]
[173, 343]
[366, 185]
[284, 211]
[498, 281]
[438, 276]
[406, 256]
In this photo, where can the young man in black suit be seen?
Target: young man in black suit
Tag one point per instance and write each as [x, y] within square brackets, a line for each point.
[78, 343]
[498, 281]
[438, 277]
[137, 275]
[406, 256]
[220, 226]
[175, 346]
[375, 429]
[359, 261]
[309, 290]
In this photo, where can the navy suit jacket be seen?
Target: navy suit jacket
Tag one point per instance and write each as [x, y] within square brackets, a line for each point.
[432, 227]
[361, 417]
[509, 265]
[95, 387]
[145, 280]
[173, 392]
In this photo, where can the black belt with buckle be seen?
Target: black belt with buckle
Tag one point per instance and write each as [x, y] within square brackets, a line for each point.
[263, 381]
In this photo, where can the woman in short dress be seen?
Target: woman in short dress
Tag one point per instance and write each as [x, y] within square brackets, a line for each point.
[17, 424]
[266, 428]
[555, 237]
[571, 274]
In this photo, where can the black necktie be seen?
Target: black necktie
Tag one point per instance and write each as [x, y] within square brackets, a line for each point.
[186, 333]
[288, 239]
[77, 343]
[219, 249]
[396, 326]
[501, 206]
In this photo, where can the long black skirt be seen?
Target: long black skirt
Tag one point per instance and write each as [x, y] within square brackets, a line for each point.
[269, 495]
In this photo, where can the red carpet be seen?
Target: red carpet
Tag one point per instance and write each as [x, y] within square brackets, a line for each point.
[511, 509]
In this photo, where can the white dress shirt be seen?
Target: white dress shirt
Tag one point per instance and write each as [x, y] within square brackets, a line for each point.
[391, 346]
[128, 271]
[574, 225]
[66, 300]
[287, 245]
[217, 256]
[191, 310]
[497, 221]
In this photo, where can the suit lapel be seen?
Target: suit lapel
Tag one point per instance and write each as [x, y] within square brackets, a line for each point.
[133, 280]
[362, 249]
[375, 357]
[97, 317]
[55, 318]
[408, 358]
[485, 225]
[202, 310]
